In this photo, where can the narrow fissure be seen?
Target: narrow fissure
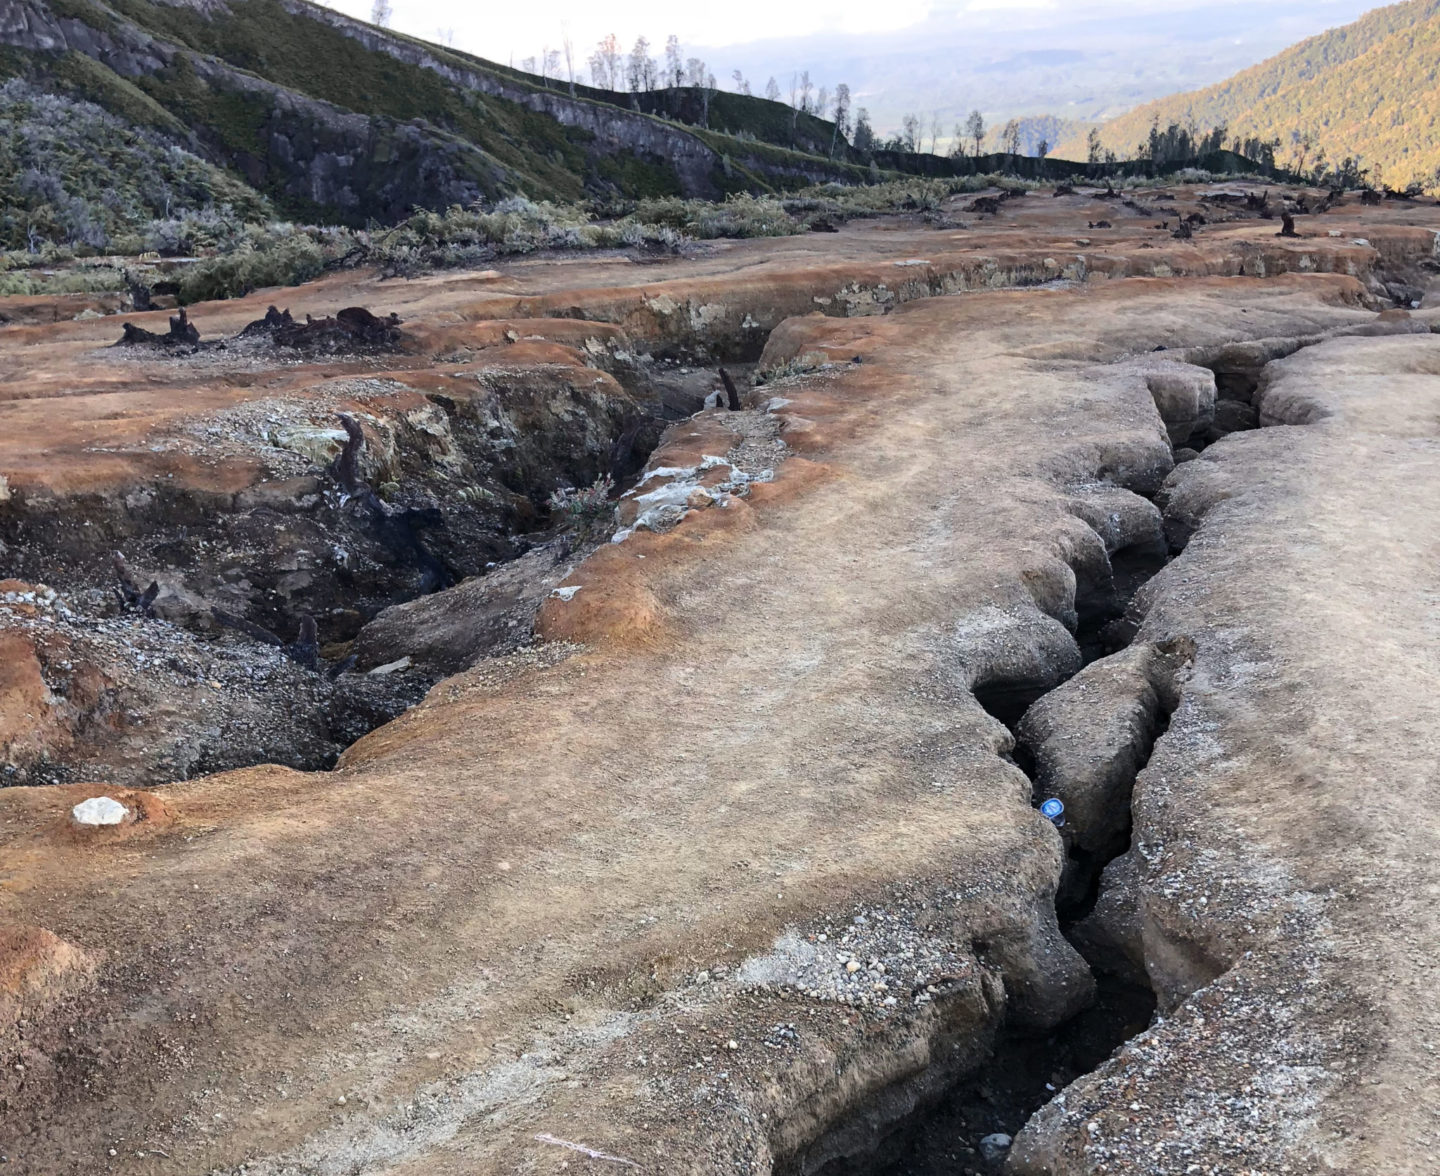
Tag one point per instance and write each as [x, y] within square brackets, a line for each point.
[1007, 699]
[1080, 885]
[1104, 625]
[1236, 385]
[969, 1130]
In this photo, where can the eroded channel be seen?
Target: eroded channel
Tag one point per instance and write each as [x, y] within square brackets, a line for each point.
[1082, 732]
[404, 526]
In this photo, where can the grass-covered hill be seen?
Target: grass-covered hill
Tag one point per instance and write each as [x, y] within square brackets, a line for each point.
[334, 120]
[1369, 89]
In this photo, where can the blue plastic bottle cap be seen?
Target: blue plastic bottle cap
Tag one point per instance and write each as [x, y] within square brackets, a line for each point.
[1052, 808]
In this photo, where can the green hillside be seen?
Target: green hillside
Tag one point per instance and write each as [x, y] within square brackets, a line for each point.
[333, 120]
[71, 172]
[1369, 89]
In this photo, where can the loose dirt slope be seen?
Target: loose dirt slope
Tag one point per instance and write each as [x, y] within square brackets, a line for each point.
[733, 870]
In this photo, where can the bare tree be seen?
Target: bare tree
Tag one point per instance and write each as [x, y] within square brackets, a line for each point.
[610, 50]
[605, 64]
[822, 101]
[910, 133]
[934, 132]
[975, 129]
[841, 116]
[772, 90]
[864, 134]
[381, 12]
[1092, 145]
[569, 46]
[550, 63]
[705, 83]
[641, 72]
[445, 37]
[1010, 138]
[1042, 149]
[528, 64]
[674, 63]
[806, 89]
[1303, 144]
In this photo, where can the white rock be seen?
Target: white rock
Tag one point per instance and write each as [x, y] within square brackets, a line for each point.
[317, 443]
[99, 810]
[566, 593]
[994, 1147]
[393, 667]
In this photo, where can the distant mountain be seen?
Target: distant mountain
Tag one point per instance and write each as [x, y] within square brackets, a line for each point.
[1079, 62]
[331, 119]
[1370, 89]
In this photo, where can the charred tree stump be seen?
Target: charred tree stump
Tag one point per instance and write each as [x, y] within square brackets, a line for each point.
[182, 334]
[305, 649]
[732, 396]
[346, 466]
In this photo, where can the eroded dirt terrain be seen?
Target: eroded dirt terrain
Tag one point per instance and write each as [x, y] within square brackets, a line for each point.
[718, 850]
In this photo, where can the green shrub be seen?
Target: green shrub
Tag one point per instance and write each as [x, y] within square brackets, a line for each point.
[32, 283]
[282, 261]
[741, 215]
[72, 174]
[587, 511]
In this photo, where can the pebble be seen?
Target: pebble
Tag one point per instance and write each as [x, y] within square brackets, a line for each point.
[993, 1147]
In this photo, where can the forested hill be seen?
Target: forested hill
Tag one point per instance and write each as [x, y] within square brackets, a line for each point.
[1369, 89]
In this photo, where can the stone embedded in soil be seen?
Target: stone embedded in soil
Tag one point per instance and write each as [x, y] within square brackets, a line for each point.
[993, 1147]
[99, 810]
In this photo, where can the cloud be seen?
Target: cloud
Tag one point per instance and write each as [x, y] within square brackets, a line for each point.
[498, 31]
[814, 36]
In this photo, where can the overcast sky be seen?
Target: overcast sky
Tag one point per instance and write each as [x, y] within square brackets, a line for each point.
[500, 31]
